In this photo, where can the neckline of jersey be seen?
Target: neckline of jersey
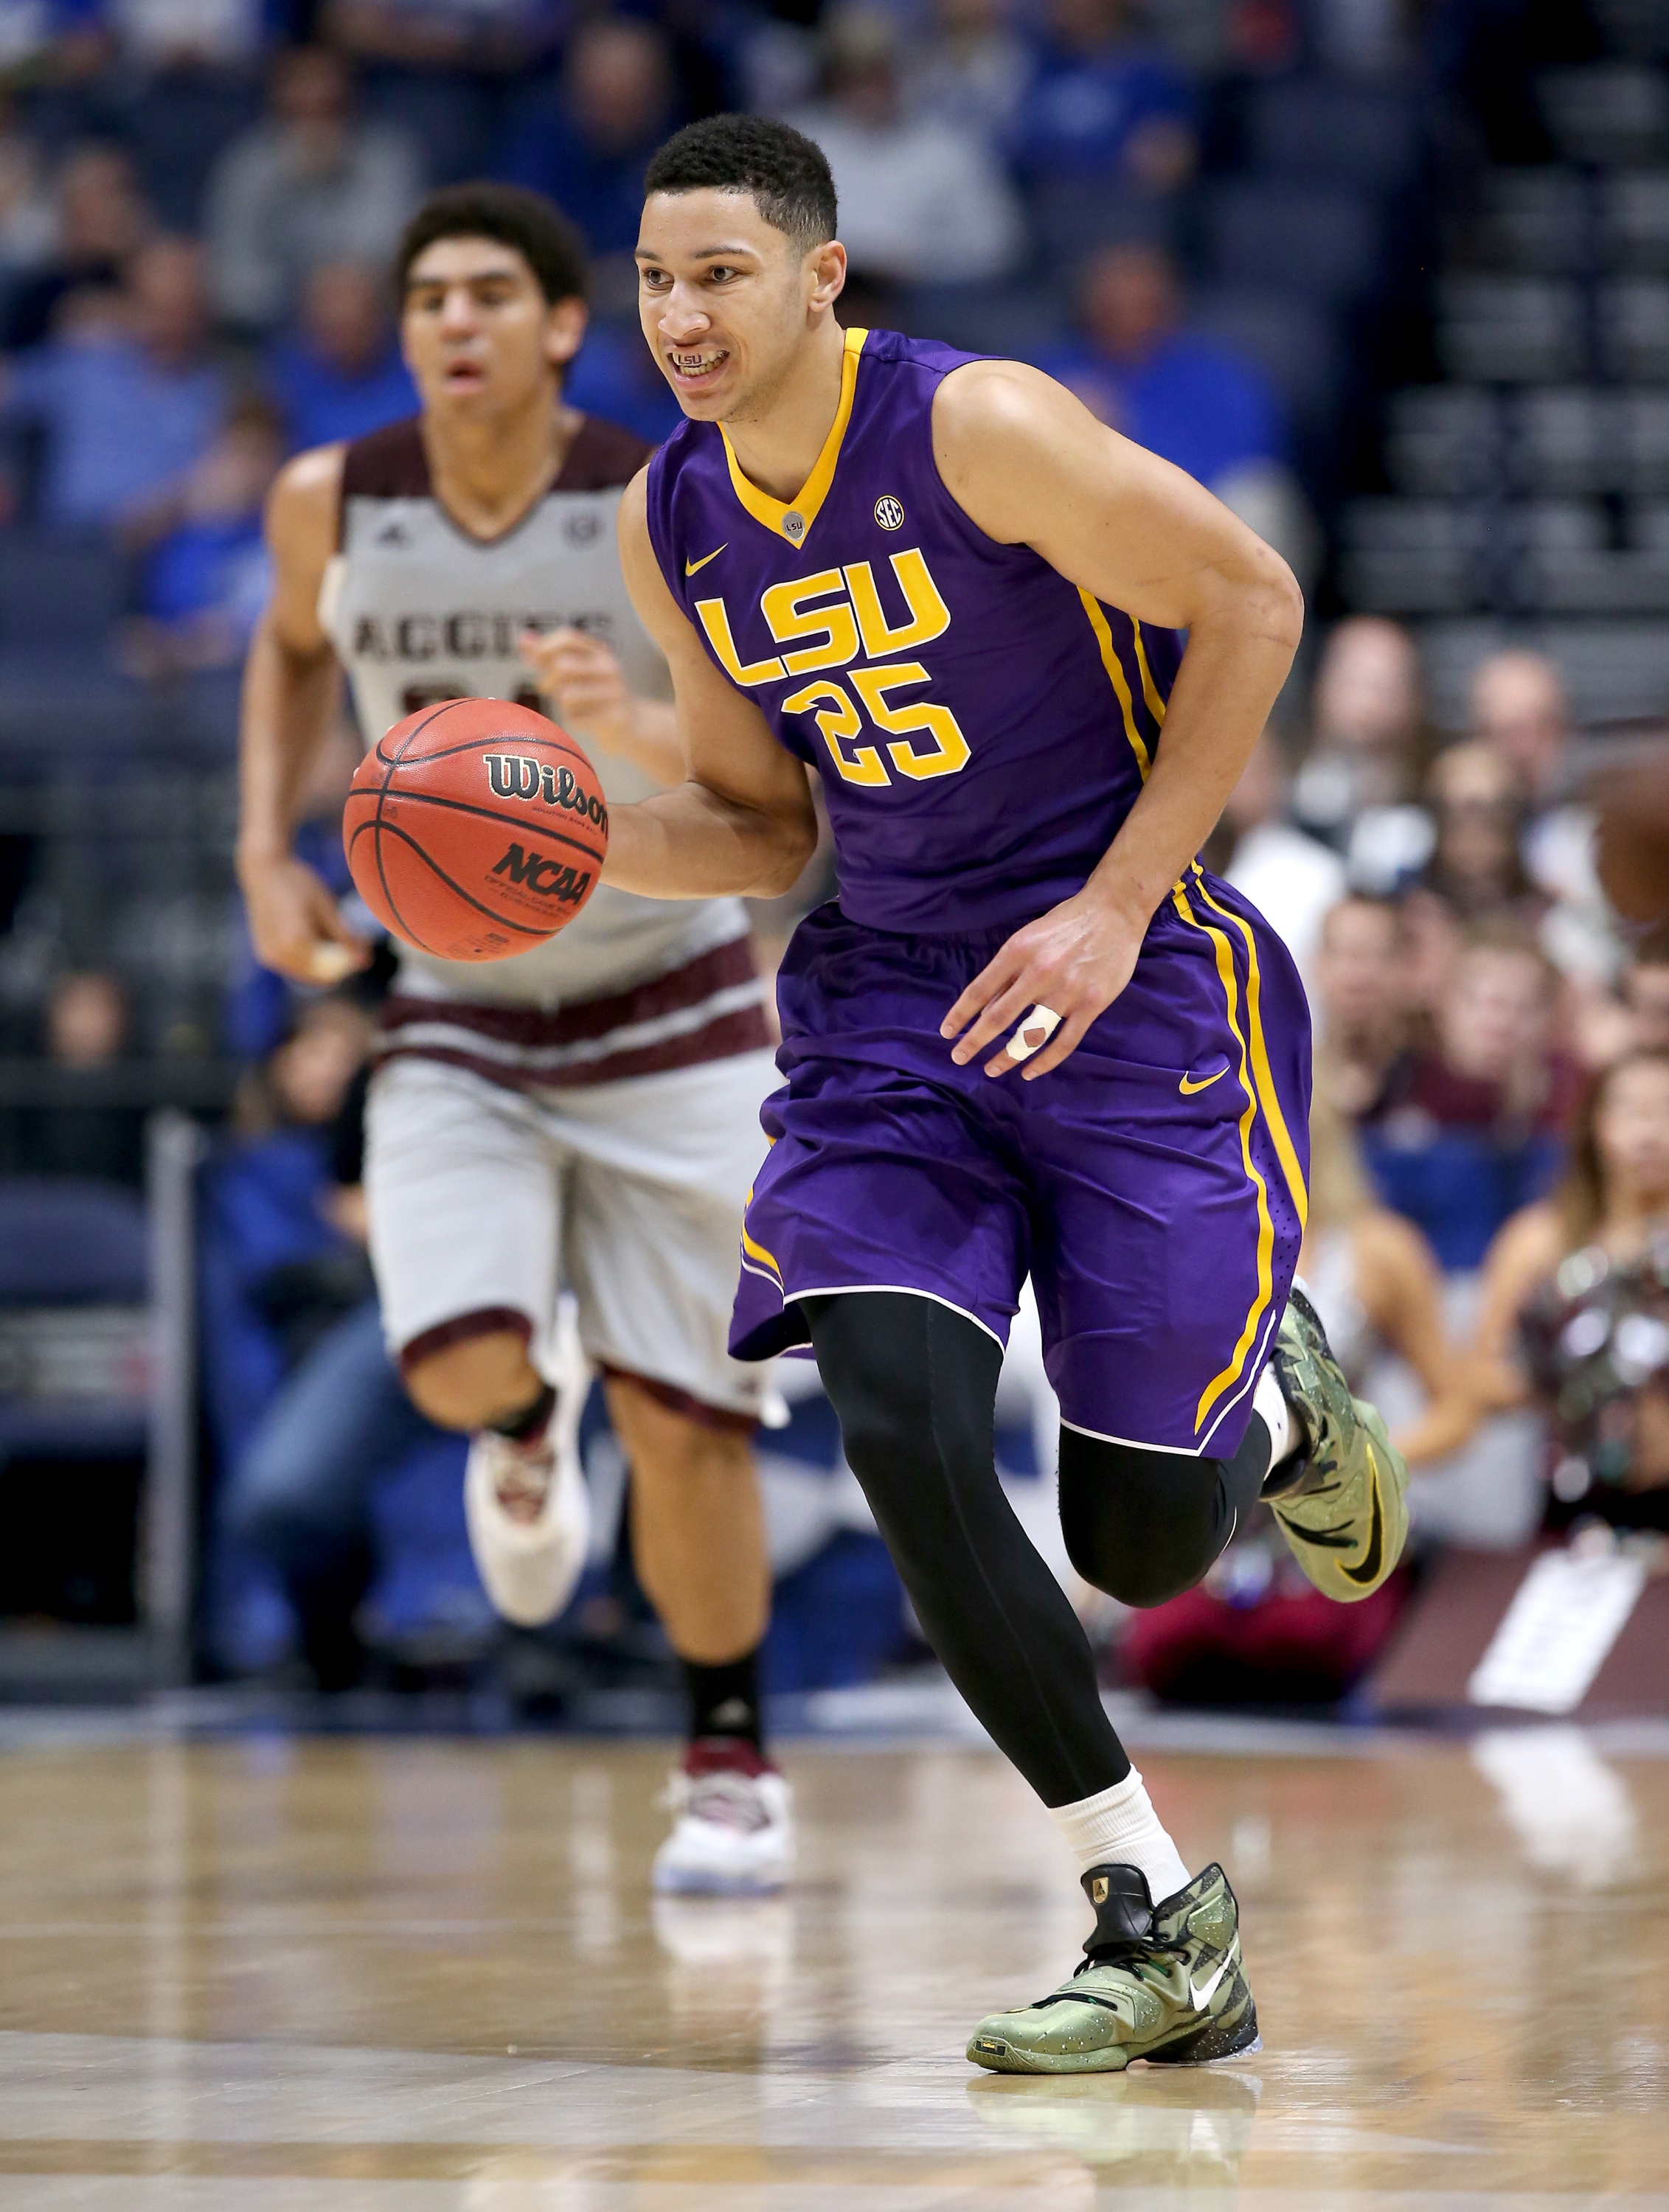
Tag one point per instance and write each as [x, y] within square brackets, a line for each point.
[467, 537]
[774, 512]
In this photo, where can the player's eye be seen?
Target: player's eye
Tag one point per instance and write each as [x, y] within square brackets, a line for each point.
[656, 279]
[722, 272]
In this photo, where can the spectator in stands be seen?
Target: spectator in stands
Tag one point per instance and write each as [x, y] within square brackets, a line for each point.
[1188, 398]
[1470, 1127]
[312, 186]
[101, 220]
[921, 201]
[206, 576]
[972, 69]
[1255, 1628]
[1521, 711]
[1361, 1010]
[587, 144]
[1478, 808]
[341, 374]
[159, 38]
[1576, 1304]
[1368, 751]
[300, 1493]
[84, 1128]
[1106, 108]
[128, 406]
[1292, 879]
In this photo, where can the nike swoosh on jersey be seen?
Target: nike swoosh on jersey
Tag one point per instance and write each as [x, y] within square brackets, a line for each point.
[1202, 1993]
[690, 567]
[1188, 1086]
[1370, 1564]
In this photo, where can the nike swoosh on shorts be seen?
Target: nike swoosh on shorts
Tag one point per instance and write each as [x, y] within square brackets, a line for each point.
[1188, 1086]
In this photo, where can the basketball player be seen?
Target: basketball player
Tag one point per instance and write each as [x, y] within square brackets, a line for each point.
[1032, 1034]
[585, 1111]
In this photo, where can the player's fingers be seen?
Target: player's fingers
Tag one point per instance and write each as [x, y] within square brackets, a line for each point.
[996, 975]
[999, 1015]
[1065, 1042]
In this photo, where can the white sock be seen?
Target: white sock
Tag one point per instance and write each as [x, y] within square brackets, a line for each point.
[1119, 1827]
[1285, 1436]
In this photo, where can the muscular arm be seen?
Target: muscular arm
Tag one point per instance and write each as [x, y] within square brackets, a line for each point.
[1031, 465]
[290, 688]
[743, 819]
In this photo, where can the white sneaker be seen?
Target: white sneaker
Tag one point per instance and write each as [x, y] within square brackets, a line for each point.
[733, 1834]
[531, 1566]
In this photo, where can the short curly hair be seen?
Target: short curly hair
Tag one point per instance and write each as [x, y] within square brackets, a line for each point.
[534, 227]
[786, 173]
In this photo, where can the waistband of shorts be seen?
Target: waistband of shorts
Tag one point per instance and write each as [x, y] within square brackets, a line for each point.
[710, 1008]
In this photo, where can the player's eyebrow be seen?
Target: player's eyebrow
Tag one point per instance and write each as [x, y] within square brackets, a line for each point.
[702, 253]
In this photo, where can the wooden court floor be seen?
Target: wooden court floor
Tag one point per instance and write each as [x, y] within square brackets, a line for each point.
[270, 1975]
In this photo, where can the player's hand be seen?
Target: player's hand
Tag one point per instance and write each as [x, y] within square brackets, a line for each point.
[583, 680]
[297, 926]
[1074, 960]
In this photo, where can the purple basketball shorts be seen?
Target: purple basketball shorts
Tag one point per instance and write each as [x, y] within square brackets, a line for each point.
[1153, 1186]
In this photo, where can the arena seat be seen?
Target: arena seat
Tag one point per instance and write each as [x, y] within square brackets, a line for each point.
[1331, 132]
[1318, 244]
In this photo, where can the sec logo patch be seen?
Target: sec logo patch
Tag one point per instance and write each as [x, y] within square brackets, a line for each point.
[889, 511]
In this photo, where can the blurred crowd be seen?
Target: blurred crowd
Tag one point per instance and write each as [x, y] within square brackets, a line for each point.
[1204, 216]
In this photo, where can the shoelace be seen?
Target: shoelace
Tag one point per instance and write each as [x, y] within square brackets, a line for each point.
[1127, 1952]
[519, 1485]
[731, 1800]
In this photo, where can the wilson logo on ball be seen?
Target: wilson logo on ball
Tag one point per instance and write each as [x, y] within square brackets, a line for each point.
[515, 775]
[550, 879]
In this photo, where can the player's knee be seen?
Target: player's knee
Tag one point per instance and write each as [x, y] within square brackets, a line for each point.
[1137, 1523]
[472, 1381]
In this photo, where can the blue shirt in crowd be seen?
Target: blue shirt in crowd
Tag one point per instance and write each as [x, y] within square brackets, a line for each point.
[1191, 401]
[118, 427]
[1082, 110]
[320, 405]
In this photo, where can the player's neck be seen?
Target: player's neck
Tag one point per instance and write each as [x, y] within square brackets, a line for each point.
[778, 440]
[487, 471]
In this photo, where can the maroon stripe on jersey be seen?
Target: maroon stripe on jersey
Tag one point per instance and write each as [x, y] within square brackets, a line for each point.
[486, 1320]
[529, 1029]
[676, 1401]
[393, 462]
[723, 1038]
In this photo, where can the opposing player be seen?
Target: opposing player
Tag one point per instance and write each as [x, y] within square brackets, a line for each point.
[586, 1111]
[942, 582]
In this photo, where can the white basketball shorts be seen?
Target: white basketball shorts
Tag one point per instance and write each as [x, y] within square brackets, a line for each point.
[486, 1199]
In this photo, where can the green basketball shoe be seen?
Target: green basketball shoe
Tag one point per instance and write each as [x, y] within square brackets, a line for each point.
[1343, 1509]
[1159, 1982]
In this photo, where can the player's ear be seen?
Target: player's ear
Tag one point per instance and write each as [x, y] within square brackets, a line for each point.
[825, 267]
[564, 330]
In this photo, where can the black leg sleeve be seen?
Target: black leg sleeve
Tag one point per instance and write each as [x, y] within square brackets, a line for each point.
[915, 1386]
[1145, 1525]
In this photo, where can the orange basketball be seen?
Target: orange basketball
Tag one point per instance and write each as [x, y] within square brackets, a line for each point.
[475, 828]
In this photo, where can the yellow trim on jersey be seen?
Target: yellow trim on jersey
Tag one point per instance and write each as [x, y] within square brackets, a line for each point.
[773, 513]
[1231, 1374]
[1110, 661]
[1150, 688]
[1268, 1096]
[754, 1250]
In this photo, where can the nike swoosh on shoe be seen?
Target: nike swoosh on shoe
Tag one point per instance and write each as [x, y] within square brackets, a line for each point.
[1369, 1568]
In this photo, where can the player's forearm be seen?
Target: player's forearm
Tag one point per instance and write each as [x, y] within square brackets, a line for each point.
[289, 701]
[1230, 677]
[691, 842]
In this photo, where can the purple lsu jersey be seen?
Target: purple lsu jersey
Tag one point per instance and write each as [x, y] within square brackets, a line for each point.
[896, 647]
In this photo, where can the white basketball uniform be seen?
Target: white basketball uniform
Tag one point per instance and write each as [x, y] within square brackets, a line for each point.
[586, 1112]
